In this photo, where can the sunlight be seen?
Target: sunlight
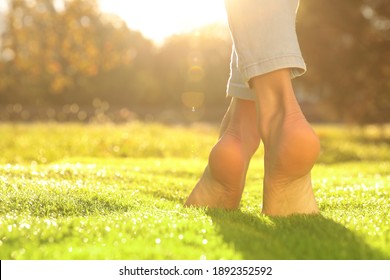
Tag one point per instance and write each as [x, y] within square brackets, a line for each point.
[159, 19]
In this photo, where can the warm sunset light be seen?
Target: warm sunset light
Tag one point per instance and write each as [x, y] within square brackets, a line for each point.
[130, 149]
[160, 19]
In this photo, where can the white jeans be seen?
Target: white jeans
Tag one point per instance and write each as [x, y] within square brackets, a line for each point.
[264, 40]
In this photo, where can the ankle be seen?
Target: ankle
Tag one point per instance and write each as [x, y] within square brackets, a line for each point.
[274, 108]
[245, 138]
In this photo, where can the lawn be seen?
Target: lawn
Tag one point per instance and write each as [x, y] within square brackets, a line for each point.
[74, 191]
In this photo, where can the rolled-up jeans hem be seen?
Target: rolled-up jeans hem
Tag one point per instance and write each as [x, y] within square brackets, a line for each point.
[240, 91]
[264, 40]
[293, 62]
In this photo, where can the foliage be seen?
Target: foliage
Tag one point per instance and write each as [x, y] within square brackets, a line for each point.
[94, 192]
[67, 52]
[73, 54]
[347, 47]
[194, 64]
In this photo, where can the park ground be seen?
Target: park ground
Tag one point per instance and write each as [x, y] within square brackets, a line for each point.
[108, 191]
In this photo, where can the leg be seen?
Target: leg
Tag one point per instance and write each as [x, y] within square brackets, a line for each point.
[291, 146]
[268, 56]
[222, 182]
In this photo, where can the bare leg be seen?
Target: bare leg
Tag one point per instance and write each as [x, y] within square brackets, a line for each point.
[223, 180]
[291, 146]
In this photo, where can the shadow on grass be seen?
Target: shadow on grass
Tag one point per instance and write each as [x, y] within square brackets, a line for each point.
[297, 237]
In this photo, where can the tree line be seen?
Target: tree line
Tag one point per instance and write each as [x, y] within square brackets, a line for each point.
[54, 55]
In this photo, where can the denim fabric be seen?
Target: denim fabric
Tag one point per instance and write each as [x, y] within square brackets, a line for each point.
[264, 40]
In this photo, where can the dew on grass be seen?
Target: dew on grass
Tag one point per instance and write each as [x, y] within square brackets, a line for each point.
[181, 236]
[34, 173]
[157, 241]
[17, 253]
[50, 222]
[108, 229]
[101, 173]
[24, 225]
[204, 242]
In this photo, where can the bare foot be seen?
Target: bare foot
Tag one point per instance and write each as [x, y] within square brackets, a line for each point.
[223, 180]
[290, 155]
[291, 147]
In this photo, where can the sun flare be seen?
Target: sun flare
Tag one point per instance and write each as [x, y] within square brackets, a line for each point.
[160, 19]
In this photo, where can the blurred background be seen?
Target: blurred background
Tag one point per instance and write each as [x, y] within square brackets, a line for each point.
[168, 61]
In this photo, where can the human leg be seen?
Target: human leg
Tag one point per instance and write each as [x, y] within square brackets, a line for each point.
[223, 180]
[268, 56]
[291, 147]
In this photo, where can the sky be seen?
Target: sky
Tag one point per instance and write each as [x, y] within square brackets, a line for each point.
[158, 19]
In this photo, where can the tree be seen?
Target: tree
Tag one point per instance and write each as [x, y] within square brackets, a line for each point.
[70, 53]
[347, 48]
[194, 68]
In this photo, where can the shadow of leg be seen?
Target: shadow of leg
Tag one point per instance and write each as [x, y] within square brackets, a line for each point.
[295, 237]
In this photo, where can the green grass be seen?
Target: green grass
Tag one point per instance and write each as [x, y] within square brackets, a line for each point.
[73, 191]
